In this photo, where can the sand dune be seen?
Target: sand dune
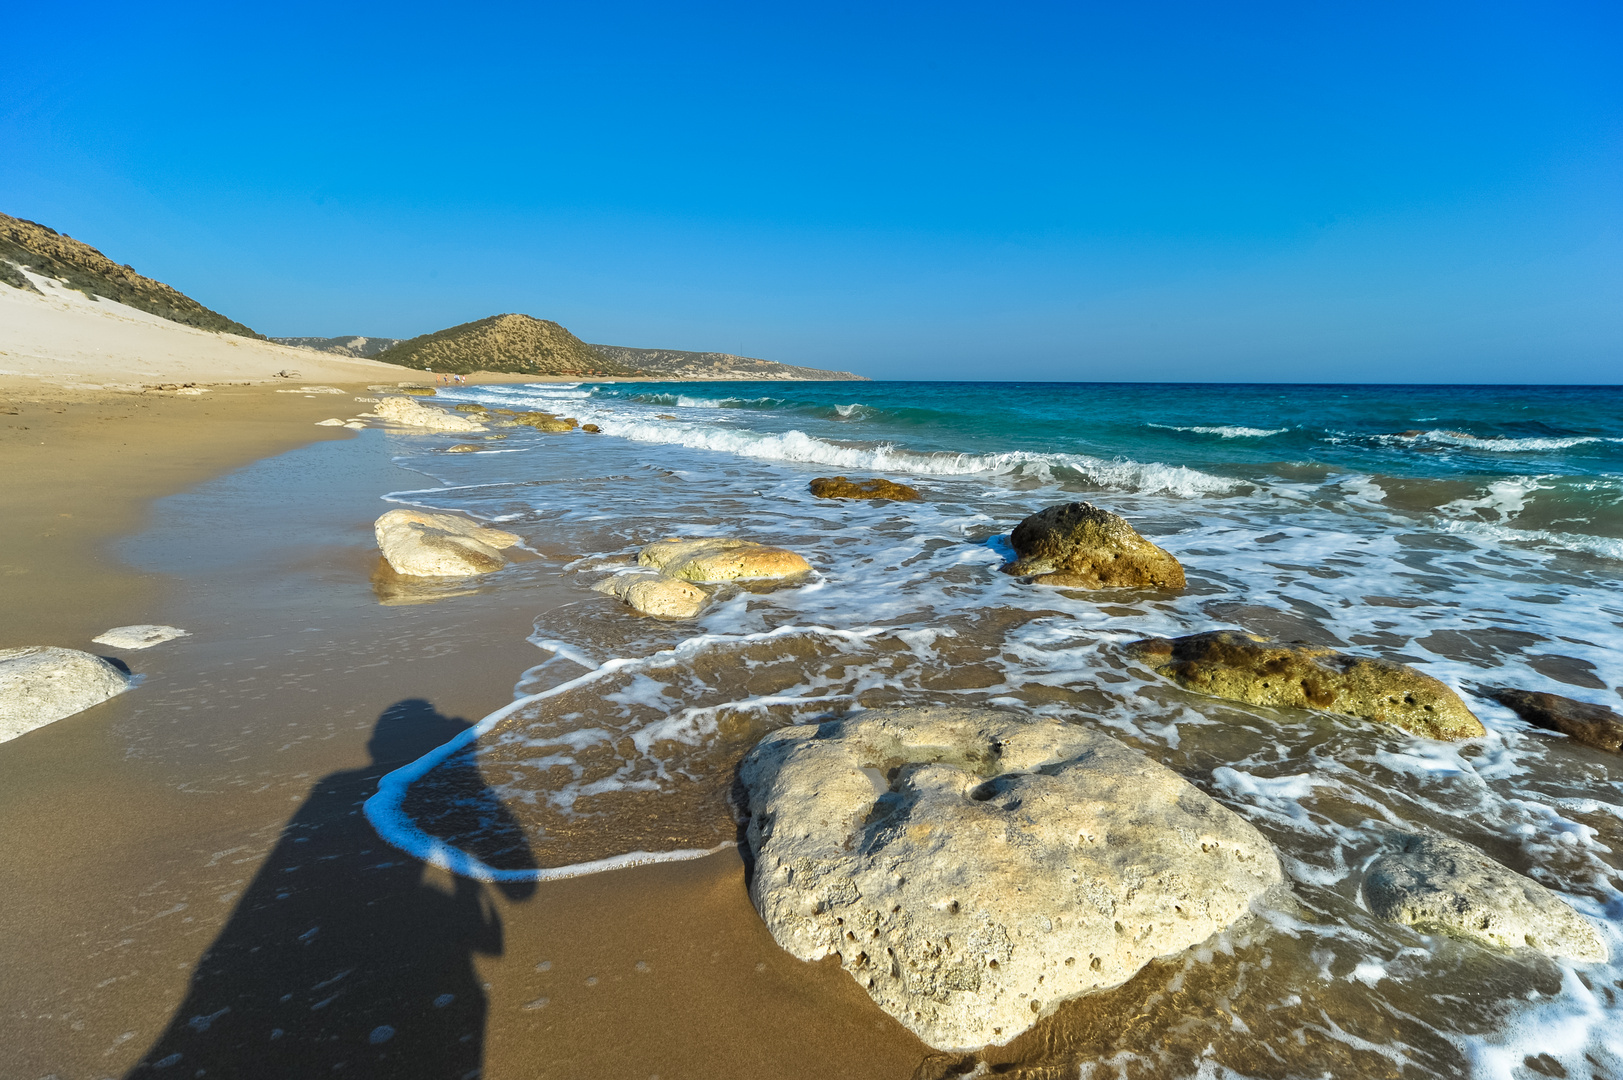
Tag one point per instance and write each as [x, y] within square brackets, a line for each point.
[65, 338]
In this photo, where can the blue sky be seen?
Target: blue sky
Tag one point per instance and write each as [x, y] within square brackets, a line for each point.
[1233, 192]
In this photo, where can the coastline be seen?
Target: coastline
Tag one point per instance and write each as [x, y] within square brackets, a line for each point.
[136, 825]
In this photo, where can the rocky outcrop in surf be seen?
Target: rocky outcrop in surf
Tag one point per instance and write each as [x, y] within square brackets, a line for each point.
[838, 487]
[1082, 546]
[1259, 671]
[1433, 883]
[655, 594]
[722, 558]
[541, 421]
[1581, 721]
[41, 684]
[971, 867]
[420, 544]
[412, 413]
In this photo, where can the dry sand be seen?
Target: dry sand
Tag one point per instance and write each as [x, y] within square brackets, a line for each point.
[147, 828]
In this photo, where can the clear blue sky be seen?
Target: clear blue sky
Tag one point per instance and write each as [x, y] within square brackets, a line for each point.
[1296, 191]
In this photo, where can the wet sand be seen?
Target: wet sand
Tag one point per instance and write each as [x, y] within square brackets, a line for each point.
[156, 860]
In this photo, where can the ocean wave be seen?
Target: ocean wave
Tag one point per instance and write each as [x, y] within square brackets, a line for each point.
[797, 446]
[1607, 547]
[1501, 444]
[1227, 431]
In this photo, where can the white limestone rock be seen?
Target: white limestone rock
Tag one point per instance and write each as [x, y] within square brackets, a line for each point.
[971, 867]
[139, 636]
[412, 413]
[722, 558]
[653, 594]
[420, 544]
[1434, 883]
[42, 684]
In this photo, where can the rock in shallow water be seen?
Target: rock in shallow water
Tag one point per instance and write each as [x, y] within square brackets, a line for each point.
[419, 544]
[42, 684]
[140, 636]
[653, 594]
[838, 487]
[1433, 883]
[720, 558]
[1081, 546]
[1592, 725]
[1246, 667]
[410, 413]
[971, 867]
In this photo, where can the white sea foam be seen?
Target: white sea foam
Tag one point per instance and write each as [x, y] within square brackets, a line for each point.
[1227, 431]
[1507, 445]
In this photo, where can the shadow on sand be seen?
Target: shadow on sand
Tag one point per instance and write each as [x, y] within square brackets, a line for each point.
[344, 957]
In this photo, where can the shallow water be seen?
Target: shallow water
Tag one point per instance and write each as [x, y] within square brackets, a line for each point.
[1476, 533]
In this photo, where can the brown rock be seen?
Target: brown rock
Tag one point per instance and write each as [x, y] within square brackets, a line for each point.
[464, 448]
[545, 421]
[838, 487]
[1592, 725]
[592, 429]
[1245, 667]
[1080, 545]
[472, 407]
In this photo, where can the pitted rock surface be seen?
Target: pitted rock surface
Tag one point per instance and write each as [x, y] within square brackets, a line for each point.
[971, 868]
[41, 684]
[1082, 546]
[1434, 883]
[420, 544]
[1259, 671]
[721, 558]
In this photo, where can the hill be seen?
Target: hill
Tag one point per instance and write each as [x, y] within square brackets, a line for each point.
[48, 253]
[673, 364]
[516, 343]
[348, 345]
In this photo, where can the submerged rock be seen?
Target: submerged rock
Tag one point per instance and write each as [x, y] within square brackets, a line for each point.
[838, 487]
[1592, 725]
[1433, 883]
[1083, 546]
[546, 422]
[411, 413]
[721, 558]
[139, 636]
[1246, 667]
[464, 448]
[420, 544]
[41, 684]
[655, 594]
[971, 868]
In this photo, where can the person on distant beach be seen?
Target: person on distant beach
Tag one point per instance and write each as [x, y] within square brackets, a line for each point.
[341, 956]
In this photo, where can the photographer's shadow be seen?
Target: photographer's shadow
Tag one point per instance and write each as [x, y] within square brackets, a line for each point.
[346, 955]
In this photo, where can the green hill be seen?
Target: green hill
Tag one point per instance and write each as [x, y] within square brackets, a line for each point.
[516, 343]
[50, 254]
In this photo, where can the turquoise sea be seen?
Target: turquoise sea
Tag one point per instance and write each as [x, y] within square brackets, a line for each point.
[1473, 532]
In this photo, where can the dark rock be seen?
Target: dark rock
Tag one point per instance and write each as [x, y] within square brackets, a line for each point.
[838, 487]
[1592, 725]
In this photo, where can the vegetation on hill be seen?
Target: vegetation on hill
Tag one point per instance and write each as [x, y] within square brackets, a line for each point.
[674, 364]
[350, 345]
[49, 253]
[516, 343]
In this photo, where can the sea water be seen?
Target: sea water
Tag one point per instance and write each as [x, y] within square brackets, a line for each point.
[1473, 532]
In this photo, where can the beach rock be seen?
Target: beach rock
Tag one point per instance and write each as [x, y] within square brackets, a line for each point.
[591, 429]
[139, 636]
[413, 413]
[420, 544]
[721, 558]
[41, 684]
[971, 868]
[838, 487]
[1436, 884]
[472, 407]
[1592, 725]
[416, 391]
[1259, 671]
[655, 594]
[1082, 546]
[463, 448]
[546, 422]
[333, 422]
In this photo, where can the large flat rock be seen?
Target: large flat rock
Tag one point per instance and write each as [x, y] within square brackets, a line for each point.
[1434, 883]
[971, 868]
[721, 558]
[42, 684]
[409, 412]
[1259, 671]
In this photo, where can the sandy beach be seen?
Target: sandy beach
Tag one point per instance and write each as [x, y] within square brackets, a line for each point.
[144, 829]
